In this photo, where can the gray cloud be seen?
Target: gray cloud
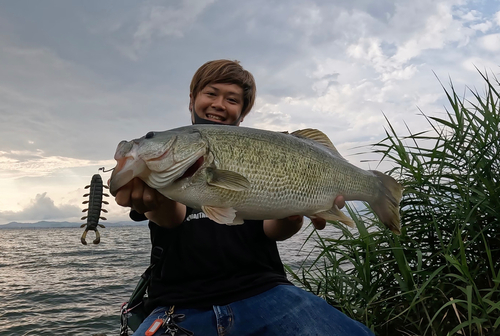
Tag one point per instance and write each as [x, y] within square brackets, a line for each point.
[41, 208]
[50, 104]
[79, 76]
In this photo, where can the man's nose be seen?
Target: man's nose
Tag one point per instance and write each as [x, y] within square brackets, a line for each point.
[218, 103]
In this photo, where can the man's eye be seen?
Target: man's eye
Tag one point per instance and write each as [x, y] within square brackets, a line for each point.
[210, 94]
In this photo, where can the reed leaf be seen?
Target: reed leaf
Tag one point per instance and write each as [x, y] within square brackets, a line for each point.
[442, 275]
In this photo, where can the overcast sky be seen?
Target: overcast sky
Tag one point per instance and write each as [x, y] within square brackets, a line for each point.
[77, 77]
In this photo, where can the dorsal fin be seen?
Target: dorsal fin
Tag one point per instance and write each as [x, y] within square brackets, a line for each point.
[319, 137]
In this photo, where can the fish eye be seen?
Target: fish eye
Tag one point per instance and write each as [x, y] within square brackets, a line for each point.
[149, 135]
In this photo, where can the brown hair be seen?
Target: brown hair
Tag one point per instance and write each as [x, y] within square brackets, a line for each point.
[227, 72]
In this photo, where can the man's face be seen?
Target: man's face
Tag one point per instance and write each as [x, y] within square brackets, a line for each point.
[218, 102]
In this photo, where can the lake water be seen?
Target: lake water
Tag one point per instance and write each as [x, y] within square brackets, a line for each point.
[51, 284]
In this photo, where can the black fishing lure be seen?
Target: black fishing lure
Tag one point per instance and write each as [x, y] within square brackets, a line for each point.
[95, 207]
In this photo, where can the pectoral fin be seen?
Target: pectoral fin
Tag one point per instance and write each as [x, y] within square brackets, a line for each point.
[222, 215]
[227, 179]
[334, 214]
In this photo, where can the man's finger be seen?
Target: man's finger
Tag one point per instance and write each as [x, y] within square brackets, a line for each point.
[122, 197]
[296, 218]
[150, 198]
[339, 202]
[137, 191]
[137, 196]
[319, 223]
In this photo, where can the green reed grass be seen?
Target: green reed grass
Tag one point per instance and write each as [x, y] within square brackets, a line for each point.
[442, 275]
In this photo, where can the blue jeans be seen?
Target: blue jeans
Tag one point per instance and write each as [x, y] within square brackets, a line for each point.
[281, 311]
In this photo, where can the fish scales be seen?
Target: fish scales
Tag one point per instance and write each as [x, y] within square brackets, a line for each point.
[256, 174]
[306, 177]
[269, 172]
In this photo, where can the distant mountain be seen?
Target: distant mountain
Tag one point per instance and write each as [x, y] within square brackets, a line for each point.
[45, 224]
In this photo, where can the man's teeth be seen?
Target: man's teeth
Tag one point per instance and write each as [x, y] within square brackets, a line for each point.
[214, 117]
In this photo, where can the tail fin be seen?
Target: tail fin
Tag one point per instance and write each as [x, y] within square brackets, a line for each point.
[386, 205]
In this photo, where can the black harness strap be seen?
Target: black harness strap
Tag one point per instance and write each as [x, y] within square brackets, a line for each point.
[137, 297]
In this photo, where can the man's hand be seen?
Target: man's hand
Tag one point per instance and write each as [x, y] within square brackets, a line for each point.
[139, 196]
[320, 223]
[145, 200]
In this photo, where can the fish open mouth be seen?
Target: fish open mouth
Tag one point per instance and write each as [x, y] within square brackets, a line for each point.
[128, 166]
[125, 171]
[192, 169]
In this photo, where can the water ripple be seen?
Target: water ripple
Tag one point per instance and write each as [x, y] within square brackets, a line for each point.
[51, 284]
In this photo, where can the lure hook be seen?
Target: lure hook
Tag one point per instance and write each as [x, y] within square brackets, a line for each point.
[104, 169]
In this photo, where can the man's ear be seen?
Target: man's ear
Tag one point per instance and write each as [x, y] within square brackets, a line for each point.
[240, 121]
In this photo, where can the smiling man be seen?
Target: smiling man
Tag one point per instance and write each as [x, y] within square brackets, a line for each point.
[225, 280]
[220, 102]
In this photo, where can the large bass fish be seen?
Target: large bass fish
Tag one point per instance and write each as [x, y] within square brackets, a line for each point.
[236, 173]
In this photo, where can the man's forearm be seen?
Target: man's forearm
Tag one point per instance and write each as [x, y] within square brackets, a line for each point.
[281, 229]
[169, 215]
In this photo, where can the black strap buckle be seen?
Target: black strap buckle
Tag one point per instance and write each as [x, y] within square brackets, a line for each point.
[156, 254]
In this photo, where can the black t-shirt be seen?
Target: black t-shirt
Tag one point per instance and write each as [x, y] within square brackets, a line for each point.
[204, 263]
